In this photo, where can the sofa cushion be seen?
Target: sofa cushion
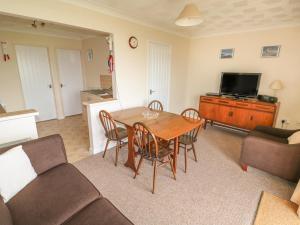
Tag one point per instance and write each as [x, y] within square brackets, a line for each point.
[16, 172]
[5, 218]
[294, 138]
[44, 153]
[52, 197]
[100, 212]
[269, 137]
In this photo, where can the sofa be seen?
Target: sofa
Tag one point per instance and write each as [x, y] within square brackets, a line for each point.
[59, 195]
[267, 149]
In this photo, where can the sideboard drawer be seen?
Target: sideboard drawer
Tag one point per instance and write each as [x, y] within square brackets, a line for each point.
[266, 108]
[208, 99]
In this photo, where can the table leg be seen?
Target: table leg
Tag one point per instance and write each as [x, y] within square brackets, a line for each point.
[131, 153]
[175, 153]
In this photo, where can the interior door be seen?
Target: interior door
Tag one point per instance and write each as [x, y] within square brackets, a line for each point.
[34, 70]
[159, 69]
[70, 72]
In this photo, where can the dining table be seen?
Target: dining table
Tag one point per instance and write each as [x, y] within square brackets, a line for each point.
[165, 125]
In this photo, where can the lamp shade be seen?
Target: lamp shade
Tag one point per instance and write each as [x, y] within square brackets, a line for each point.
[276, 85]
[189, 16]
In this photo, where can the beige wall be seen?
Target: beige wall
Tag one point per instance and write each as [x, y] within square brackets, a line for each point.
[205, 65]
[98, 65]
[11, 94]
[131, 64]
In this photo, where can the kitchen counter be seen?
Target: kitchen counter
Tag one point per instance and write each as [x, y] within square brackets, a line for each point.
[94, 96]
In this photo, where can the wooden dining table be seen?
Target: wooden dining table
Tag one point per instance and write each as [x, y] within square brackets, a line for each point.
[167, 126]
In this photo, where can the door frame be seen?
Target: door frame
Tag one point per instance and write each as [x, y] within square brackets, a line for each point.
[167, 107]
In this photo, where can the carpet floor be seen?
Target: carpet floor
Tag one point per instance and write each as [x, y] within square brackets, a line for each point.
[214, 191]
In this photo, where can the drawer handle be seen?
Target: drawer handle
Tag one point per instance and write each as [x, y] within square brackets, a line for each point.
[262, 107]
[224, 102]
[241, 104]
[207, 99]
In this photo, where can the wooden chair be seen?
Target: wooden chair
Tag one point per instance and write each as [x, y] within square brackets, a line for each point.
[189, 138]
[112, 132]
[150, 149]
[156, 105]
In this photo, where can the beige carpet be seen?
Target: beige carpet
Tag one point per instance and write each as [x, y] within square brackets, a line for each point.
[276, 211]
[215, 191]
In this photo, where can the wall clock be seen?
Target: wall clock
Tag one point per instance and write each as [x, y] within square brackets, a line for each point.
[133, 42]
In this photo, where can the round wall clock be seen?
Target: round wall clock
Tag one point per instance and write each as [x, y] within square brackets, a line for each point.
[133, 42]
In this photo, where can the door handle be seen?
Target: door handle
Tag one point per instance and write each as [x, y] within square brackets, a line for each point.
[50, 86]
[151, 91]
[61, 85]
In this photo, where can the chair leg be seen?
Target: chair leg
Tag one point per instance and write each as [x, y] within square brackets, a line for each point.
[185, 158]
[194, 151]
[172, 168]
[244, 167]
[138, 167]
[154, 177]
[117, 153]
[107, 142]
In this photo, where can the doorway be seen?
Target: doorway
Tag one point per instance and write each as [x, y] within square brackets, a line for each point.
[34, 70]
[159, 70]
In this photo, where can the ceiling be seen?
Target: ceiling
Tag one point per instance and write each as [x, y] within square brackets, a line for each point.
[220, 16]
[18, 24]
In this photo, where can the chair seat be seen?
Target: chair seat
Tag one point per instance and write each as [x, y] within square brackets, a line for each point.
[162, 152]
[121, 131]
[187, 139]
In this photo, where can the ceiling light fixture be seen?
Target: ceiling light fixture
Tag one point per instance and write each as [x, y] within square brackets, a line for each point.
[189, 16]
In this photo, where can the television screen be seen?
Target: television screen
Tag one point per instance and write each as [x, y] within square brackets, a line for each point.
[240, 84]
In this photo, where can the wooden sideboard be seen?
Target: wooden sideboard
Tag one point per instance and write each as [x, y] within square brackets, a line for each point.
[242, 114]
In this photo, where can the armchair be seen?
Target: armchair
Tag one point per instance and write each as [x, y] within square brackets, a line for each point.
[267, 148]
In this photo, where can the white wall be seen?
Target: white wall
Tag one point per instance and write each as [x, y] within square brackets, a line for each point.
[98, 65]
[131, 64]
[205, 66]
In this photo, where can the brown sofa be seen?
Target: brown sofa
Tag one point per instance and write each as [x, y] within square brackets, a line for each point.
[267, 148]
[59, 195]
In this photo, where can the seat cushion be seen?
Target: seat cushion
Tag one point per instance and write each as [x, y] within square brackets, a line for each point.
[122, 132]
[187, 139]
[268, 136]
[52, 197]
[100, 212]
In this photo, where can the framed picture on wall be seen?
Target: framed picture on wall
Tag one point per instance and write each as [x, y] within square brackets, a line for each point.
[227, 53]
[89, 55]
[270, 51]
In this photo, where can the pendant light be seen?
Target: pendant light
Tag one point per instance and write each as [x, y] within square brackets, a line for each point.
[189, 16]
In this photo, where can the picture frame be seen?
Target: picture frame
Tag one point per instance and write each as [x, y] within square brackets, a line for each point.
[227, 53]
[89, 55]
[270, 51]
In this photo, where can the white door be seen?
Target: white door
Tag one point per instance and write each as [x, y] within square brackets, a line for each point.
[70, 72]
[159, 69]
[34, 70]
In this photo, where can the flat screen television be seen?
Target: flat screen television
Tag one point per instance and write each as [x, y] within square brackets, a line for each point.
[240, 84]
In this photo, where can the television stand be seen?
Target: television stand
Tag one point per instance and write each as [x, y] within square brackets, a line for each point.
[242, 114]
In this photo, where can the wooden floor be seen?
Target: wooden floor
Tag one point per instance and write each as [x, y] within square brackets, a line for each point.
[74, 132]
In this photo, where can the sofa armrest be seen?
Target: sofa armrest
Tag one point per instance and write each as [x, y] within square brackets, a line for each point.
[44, 153]
[283, 133]
[277, 158]
[5, 217]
